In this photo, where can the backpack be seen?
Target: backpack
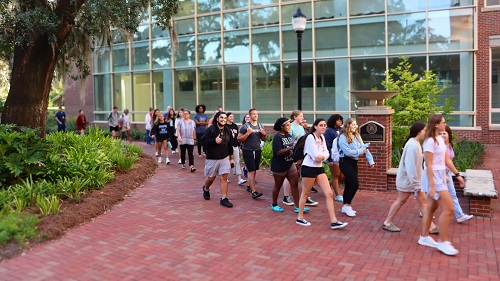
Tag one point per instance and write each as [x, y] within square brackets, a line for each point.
[335, 152]
[298, 149]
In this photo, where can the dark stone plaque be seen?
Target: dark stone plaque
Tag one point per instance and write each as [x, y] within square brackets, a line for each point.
[372, 132]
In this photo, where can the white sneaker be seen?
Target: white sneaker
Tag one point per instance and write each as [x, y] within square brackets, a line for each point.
[174, 152]
[446, 248]
[464, 218]
[179, 162]
[159, 160]
[167, 161]
[427, 241]
[156, 154]
[242, 181]
[348, 211]
[310, 202]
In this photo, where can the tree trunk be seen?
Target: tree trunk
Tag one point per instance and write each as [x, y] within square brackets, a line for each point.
[32, 74]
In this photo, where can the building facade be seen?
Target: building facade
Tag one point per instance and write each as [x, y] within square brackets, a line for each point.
[243, 54]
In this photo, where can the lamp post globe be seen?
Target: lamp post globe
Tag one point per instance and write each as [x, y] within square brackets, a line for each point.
[299, 25]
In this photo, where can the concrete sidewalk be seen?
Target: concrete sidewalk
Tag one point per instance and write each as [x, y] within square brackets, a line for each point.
[167, 231]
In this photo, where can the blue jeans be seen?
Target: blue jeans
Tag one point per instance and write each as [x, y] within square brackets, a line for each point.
[457, 210]
[148, 137]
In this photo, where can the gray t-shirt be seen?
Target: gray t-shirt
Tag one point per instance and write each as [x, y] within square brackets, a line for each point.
[253, 140]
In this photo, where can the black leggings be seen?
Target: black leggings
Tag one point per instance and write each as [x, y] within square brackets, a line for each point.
[189, 148]
[349, 167]
[173, 142]
[200, 147]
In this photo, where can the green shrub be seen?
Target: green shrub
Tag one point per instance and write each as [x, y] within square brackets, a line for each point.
[133, 149]
[267, 152]
[138, 135]
[468, 155]
[18, 226]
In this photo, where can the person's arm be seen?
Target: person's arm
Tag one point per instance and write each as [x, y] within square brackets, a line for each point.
[311, 151]
[349, 152]
[278, 148]
[245, 131]
[429, 157]
[194, 133]
[57, 120]
[208, 138]
[263, 134]
[454, 170]
[412, 166]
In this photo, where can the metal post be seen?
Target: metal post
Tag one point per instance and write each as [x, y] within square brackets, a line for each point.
[299, 70]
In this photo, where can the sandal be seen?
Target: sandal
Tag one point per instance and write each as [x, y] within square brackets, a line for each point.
[183, 167]
[193, 169]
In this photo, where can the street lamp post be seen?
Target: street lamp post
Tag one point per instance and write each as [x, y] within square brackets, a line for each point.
[299, 25]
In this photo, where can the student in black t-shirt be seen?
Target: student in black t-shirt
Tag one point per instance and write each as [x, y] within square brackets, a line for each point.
[282, 164]
[160, 131]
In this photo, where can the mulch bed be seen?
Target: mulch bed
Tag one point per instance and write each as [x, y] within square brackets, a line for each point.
[93, 204]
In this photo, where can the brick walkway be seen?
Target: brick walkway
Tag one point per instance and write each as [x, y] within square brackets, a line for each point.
[166, 231]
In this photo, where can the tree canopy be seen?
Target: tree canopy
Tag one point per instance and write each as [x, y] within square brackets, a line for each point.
[39, 36]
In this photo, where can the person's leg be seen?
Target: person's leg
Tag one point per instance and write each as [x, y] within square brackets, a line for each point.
[278, 181]
[223, 185]
[286, 188]
[336, 177]
[183, 153]
[400, 201]
[237, 166]
[190, 154]
[82, 132]
[422, 202]
[457, 210]
[198, 137]
[165, 146]
[348, 167]
[122, 135]
[323, 183]
[148, 137]
[427, 216]
[446, 205]
[129, 136]
[158, 149]
[209, 181]
[307, 184]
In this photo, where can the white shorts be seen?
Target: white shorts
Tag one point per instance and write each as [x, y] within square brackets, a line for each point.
[214, 167]
[439, 181]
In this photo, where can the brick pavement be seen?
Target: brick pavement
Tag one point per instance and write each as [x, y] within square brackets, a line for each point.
[166, 231]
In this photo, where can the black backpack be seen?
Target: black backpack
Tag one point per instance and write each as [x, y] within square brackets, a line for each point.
[298, 149]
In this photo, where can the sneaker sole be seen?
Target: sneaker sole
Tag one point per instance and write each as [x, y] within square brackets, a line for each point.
[288, 204]
[348, 214]
[427, 245]
[302, 224]
[312, 204]
[339, 226]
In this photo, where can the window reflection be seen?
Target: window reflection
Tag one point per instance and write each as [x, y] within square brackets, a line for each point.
[495, 85]
[266, 86]
[162, 53]
[140, 59]
[185, 88]
[450, 30]
[209, 49]
[120, 58]
[210, 93]
[337, 30]
[185, 56]
[394, 6]
[234, 4]
[290, 42]
[207, 6]
[162, 89]
[236, 46]
[288, 11]
[368, 36]
[186, 8]
[237, 87]
[209, 24]
[366, 7]
[367, 74]
[332, 85]
[102, 92]
[265, 44]
[290, 87]
[329, 9]
[101, 60]
[436, 4]
[263, 2]
[406, 33]
[184, 27]
[266, 16]
[236, 20]
[142, 93]
[142, 33]
[122, 95]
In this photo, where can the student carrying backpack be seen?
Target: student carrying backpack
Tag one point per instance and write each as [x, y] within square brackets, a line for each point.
[335, 152]
[298, 149]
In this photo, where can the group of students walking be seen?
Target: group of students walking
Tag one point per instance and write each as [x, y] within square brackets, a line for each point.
[430, 181]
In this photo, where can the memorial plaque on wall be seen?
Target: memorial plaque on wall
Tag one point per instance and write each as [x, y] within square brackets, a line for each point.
[372, 132]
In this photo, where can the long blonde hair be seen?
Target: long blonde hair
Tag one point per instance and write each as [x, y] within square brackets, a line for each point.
[348, 133]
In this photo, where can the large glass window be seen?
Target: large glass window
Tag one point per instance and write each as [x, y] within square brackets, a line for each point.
[406, 33]
[142, 93]
[210, 93]
[120, 58]
[209, 49]
[142, 33]
[418, 63]
[492, 2]
[102, 92]
[329, 9]
[101, 60]
[122, 91]
[162, 53]
[451, 30]
[184, 27]
[367, 73]
[140, 58]
[366, 7]
[332, 85]
[290, 87]
[367, 35]
[262, 2]
[337, 30]
[234, 4]
[209, 24]
[455, 72]
[208, 6]
[185, 88]
[236, 20]
[266, 86]
[162, 89]
[437, 4]
[395, 6]
[266, 16]
[186, 8]
[236, 46]
[265, 44]
[289, 45]
[237, 87]
[185, 56]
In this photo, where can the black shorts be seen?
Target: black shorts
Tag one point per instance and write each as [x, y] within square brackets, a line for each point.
[161, 138]
[252, 159]
[311, 172]
[115, 128]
